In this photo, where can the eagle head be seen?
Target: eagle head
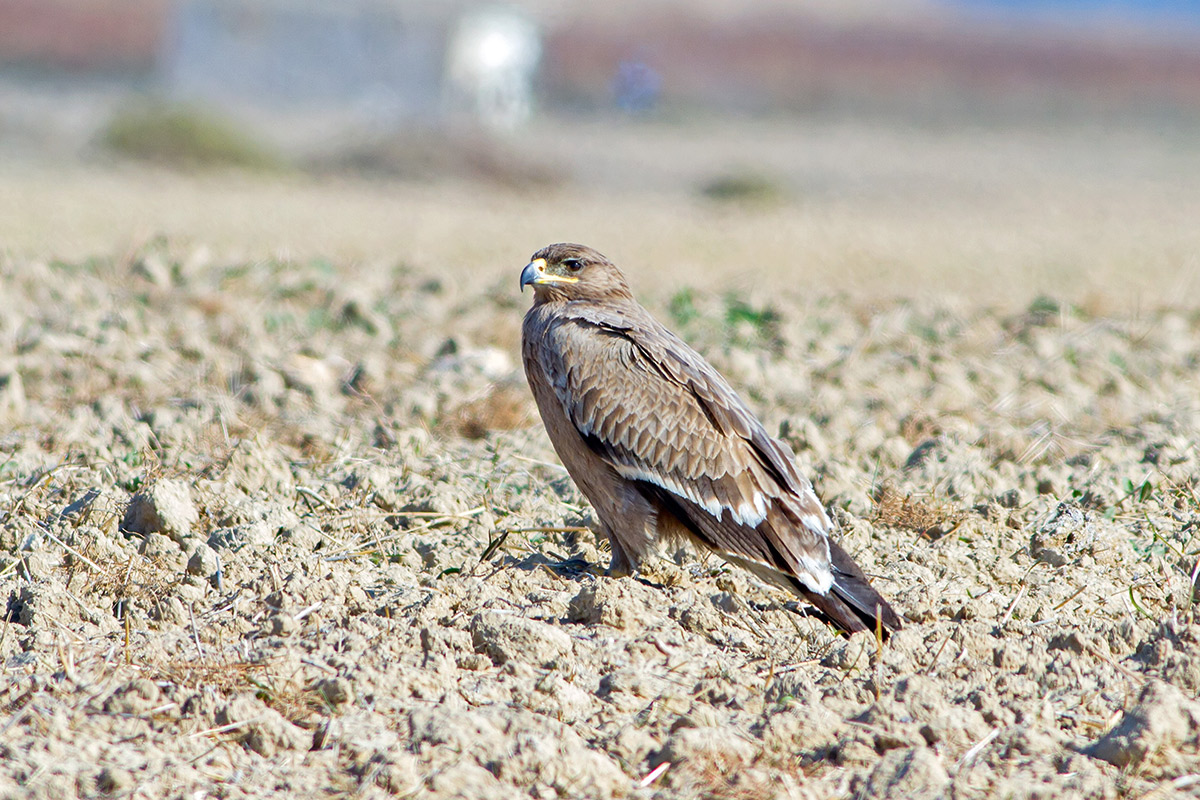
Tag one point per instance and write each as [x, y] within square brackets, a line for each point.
[568, 272]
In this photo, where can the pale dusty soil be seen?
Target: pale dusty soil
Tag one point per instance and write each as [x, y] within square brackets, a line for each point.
[277, 518]
[290, 528]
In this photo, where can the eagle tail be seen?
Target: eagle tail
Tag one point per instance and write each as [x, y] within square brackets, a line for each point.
[852, 604]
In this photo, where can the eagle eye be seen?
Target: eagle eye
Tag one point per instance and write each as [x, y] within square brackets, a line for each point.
[573, 264]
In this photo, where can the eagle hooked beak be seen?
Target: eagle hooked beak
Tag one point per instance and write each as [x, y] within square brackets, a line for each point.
[535, 274]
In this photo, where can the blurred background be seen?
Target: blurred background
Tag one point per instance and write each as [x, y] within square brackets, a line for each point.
[995, 148]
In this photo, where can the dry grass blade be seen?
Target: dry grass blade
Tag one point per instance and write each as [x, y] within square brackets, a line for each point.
[494, 544]
[73, 551]
[933, 661]
[1012, 606]
[1072, 596]
[195, 633]
[653, 775]
[552, 529]
[360, 548]
[926, 517]
[304, 612]
[306, 492]
[969, 757]
[232, 726]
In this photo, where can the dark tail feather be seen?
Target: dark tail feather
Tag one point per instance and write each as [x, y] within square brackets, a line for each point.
[852, 604]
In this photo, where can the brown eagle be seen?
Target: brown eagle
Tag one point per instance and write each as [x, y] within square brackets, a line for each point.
[663, 447]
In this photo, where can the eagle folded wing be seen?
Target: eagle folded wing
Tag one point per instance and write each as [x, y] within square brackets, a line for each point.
[660, 416]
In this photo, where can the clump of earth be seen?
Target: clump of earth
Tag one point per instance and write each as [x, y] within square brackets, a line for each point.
[293, 529]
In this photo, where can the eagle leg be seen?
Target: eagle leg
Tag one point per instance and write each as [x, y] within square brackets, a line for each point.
[621, 565]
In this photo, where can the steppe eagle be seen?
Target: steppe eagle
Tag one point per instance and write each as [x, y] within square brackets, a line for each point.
[664, 448]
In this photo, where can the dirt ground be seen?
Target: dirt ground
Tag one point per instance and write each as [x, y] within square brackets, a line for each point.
[287, 525]
[1098, 213]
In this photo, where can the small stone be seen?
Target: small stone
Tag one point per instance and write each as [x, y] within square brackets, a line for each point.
[262, 729]
[910, 773]
[303, 536]
[357, 599]
[203, 561]
[12, 396]
[1071, 641]
[163, 551]
[1065, 534]
[169, 611]
[336, 691]
[164, 506]
[613, 602]
[473, 661]
[400, 774]
[112, 780]
[1010, 499]
[506, 637]
[1162, 718]
[253, 535]
[136, 697]
[320, 378]
[465, 779]
[708, 745]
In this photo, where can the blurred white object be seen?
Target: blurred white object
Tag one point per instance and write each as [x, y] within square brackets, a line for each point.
[490, 66]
